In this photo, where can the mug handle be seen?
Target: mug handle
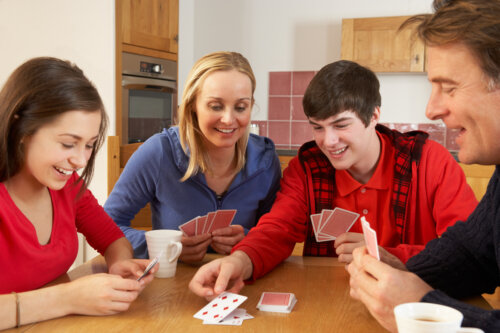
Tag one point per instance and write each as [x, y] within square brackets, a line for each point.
[469, 330]
[176, 253]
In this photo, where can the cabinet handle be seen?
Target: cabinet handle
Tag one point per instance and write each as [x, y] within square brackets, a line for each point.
[417, 59]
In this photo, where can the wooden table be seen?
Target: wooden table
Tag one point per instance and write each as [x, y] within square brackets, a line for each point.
[321, 286]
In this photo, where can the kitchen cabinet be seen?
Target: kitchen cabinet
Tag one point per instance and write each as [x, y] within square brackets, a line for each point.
[377, 44]
[149, 27]
[284, 160]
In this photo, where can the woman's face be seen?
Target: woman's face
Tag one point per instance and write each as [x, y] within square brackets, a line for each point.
[223, 108]
[61, 147]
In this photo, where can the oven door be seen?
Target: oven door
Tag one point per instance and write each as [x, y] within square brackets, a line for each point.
[148, 106]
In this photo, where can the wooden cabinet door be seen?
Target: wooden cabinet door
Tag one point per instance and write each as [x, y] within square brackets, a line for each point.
[377, 44]
[151, 24]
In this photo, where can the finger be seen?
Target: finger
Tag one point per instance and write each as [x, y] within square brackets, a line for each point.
[119, 283]
[201, 283]
[348, 248]
[221, 248]
[345, 258]
[229, 231]
[194, 240]
[198, 248]
[225, 274]
[348, 237]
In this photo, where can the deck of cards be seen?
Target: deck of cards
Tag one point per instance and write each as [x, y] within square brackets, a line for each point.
[208, 223]
[329, 224]
[370, 238]
[277, 302]
[223, 310]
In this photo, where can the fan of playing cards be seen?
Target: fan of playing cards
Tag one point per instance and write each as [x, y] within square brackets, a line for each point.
[208, 223]
[329, 224]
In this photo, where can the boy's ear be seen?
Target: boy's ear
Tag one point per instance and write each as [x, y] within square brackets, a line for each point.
[376, 115]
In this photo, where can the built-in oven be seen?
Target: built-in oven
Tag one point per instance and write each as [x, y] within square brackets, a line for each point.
[149, 93]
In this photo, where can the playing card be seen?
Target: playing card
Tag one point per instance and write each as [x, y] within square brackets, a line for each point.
[208, 224]
[276, 302]
[234, 318]
[222, 218]
[315, 219]
[325, 214]
[151, 265]
[338, 222]
[370, 238]
[200, 224]
[189, 228]
[220, 307]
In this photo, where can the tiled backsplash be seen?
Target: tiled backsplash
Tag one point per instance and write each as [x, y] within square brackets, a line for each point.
[288, 127]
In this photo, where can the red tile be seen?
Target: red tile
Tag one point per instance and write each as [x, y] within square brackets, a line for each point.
[280, 83]
[262, 126]
[279, 108]
[300, 81]
[279, 132]
[405, 127]
[301, 132]
[297, 109]
[451, 135]
[437, 132]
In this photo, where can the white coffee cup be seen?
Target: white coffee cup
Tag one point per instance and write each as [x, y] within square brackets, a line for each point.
[430, 318]
[168, 241]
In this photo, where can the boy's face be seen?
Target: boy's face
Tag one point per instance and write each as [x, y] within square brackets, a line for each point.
[348, 143]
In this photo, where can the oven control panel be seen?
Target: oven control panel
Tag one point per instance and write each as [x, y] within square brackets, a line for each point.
[148, 67]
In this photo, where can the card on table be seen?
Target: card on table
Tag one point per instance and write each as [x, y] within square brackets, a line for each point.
[329, 224]
[234, 318]
[370, 238]
[220, 307]
[277, 302]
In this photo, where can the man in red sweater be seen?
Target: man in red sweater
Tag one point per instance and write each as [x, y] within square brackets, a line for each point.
[408, 187]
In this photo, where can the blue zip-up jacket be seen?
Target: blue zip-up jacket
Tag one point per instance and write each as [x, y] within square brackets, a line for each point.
[152, 175]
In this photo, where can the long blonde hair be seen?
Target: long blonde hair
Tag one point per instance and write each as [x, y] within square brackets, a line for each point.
[190, 134]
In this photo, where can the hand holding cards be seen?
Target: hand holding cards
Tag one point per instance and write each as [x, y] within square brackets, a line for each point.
[206, 224]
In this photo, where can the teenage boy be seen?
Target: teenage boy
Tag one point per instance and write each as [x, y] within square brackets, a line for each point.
[408, 187]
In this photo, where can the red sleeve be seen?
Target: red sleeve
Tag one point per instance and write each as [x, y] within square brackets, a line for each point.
[443, 197]
[273, 239]
[93, 222]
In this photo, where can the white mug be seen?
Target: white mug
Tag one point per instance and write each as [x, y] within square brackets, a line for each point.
[430, 318]
[168, 241]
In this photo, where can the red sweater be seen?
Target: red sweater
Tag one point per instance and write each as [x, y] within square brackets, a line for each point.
[27, 265]
[439, 196]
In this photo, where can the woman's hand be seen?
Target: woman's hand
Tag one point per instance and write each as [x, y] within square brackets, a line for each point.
[133, 269]
[194, 248]
[101, 294]
[224, 239]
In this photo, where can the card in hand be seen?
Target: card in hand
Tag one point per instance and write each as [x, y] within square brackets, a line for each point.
[189, 228]
[276, 302]
[340, 221]
[222, 219]
[151, 265]
[370, 238]
[220, 307]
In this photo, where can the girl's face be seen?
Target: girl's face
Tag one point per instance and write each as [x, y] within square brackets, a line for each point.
[223, 108]
[61, 147]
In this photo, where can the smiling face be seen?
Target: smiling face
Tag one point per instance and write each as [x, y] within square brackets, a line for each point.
[223, 108]
[348, 143]
[461, 98]
[59, 148]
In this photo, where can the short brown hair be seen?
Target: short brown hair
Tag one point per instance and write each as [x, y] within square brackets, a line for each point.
[189, 129]
[36, 94]
[475, 23]
[342, 86]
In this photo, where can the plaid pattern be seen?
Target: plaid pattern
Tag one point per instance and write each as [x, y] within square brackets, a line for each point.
[408, 148]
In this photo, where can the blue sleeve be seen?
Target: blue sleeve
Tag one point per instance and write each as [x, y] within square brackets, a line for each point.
[133, 190]
[275, 171]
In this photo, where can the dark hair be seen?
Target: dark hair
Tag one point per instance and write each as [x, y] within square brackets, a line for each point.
[35, 94]
[475, 23]
[342, 86]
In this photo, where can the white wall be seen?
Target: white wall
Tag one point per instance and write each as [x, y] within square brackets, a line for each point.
[286, 35]
[82, 31]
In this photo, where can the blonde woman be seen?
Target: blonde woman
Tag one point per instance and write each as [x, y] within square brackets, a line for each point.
[209, 162]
